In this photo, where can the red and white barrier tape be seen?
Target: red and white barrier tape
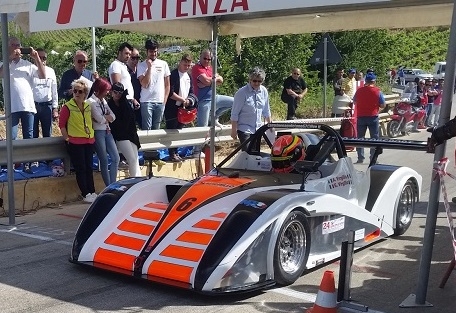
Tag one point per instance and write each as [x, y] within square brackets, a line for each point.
[440, 169]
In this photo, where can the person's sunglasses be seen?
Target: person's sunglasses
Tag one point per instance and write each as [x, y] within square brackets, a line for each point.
[135, 58]
[82, 61]
[117, 92]
[257, 81]
[296, 74]
[79, 91]
[208, 59]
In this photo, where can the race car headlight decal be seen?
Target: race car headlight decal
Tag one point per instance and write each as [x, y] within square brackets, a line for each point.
[251, 266]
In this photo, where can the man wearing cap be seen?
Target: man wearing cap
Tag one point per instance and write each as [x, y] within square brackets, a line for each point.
[153, 74]
[181, 88]
[368, 100]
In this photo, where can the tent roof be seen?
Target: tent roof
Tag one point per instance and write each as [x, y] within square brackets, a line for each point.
[368, 15]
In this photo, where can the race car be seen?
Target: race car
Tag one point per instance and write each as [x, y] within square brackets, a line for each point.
[243, 226]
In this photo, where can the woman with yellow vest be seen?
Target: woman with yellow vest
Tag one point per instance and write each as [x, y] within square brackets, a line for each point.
[75, 123]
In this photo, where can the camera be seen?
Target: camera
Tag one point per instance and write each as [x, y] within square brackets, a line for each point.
[26, 50]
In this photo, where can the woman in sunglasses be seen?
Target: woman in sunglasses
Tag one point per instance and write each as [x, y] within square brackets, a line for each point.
[124, 128]
[75, 123]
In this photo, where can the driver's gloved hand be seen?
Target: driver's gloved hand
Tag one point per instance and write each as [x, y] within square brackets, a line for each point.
[442, 133]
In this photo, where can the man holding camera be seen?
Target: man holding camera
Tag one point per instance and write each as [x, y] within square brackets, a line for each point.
[21, 83]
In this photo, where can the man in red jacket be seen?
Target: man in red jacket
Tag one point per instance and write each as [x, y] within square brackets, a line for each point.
[368, 100]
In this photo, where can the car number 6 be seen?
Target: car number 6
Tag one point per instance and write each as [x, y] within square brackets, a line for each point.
[186, 204]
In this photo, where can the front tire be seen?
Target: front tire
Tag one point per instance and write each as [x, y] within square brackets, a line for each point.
[405, 208]
[393, 129]
[292, 248]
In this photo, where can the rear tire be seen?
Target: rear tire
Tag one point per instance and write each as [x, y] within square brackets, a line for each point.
[405, 208]
[393, 129]
[292, 249]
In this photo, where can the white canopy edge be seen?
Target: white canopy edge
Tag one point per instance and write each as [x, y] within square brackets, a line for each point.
[201, 28]
[16, 6]
[387, 18]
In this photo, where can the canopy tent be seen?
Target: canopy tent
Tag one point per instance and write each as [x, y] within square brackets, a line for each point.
[336, 15]
[206, 19]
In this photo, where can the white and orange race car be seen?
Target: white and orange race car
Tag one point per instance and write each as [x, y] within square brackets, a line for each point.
[243, 227]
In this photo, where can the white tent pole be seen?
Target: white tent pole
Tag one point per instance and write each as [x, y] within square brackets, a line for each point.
[9, 122]
[214, 88]
[434, 192]
[325, 73]
[94, 51]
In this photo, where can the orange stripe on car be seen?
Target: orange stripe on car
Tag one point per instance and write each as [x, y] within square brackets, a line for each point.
[219, 215]
[137, 228]
[372, 236]
[125, 242]
[147, 215]
[176, 272]
[208, 224]
[195, 237]
[157, 205]
[203, 189]
[183, 253]
[114, 258]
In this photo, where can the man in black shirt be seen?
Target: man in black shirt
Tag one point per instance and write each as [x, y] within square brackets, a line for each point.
[294, 89]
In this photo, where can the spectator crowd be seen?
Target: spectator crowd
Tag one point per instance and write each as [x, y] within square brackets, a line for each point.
[103, 115]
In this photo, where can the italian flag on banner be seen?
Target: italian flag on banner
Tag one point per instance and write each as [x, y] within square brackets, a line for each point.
[65, 9]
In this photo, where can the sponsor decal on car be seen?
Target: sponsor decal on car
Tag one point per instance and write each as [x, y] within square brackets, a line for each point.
[334, 225]
[340, 181]
[359, 234]
[254, 204]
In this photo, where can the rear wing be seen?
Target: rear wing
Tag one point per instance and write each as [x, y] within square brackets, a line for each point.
[387, 143]
[379, 144]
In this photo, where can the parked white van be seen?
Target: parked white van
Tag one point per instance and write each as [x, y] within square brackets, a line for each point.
[439, 70]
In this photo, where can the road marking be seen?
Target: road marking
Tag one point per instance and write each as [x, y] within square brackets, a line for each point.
[38, 237]
[309, 297]
[70, 215]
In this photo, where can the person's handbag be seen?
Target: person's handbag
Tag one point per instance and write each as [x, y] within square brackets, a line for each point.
[186, 115]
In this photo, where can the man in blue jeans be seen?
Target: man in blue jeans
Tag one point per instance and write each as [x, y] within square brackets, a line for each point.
[46, 99]
[368, 100]
[153, 74]
[202, 87]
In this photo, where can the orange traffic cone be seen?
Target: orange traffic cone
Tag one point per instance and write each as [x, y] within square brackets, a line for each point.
[326, 301]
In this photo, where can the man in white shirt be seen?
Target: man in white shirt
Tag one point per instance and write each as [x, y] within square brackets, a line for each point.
[118, 72]
[153, 74]
[21, 73]
[46, 99]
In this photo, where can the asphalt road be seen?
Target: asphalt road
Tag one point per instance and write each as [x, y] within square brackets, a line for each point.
[35, 275]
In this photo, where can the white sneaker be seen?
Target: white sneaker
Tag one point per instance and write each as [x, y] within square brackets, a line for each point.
[217, 124]
[94, 195]
[88, 198]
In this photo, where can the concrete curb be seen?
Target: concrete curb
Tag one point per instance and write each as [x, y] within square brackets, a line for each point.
[35, 193]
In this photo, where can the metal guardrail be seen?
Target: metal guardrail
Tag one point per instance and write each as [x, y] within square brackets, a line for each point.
[40, 149]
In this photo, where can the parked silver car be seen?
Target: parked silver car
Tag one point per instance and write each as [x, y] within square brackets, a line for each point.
[172, 49]
[411, 73]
